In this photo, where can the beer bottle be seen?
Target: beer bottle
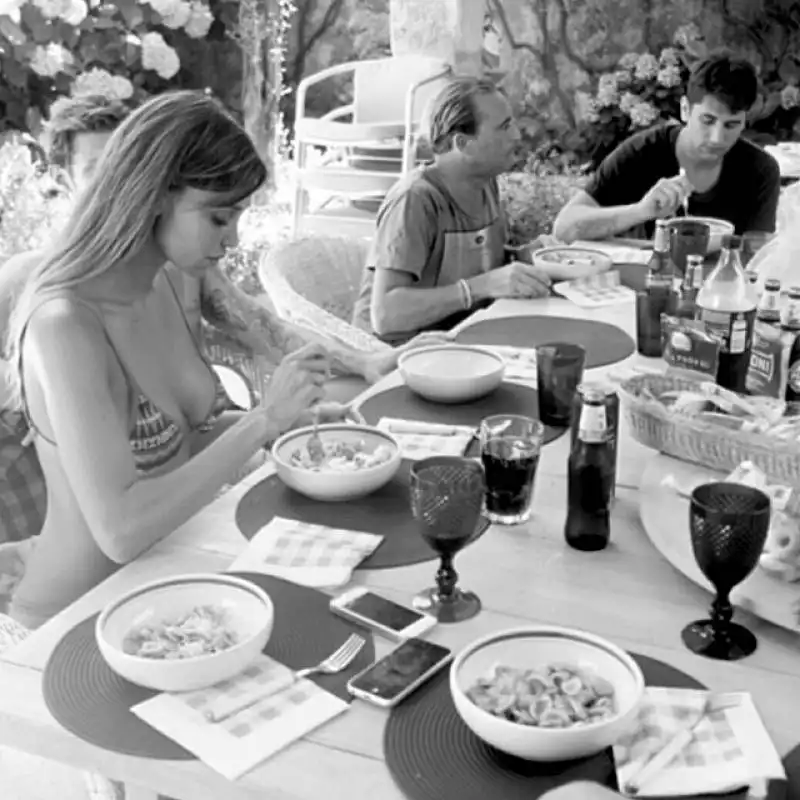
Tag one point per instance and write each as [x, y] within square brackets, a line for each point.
[659, 268]
[685, 302]
[769, 306]
[790, 325]
[655, 301]
[590, 476]
[727, 306]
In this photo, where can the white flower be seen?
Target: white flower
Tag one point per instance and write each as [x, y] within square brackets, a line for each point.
[72, 11]
[164, 7]
[179, 15]
[607, 90]
[11, 8]
[159, 56]
[686, 34]
[50, 60]
[628, 102]
[643, 114]
[591, 114]
[669, 76]
[646, 67]
[790, 97]
[200, 21]
[669, 57]
[629, 61]
[99, 81]
[77, 12]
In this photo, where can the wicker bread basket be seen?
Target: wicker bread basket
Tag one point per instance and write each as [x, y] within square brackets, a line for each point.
[707, 443]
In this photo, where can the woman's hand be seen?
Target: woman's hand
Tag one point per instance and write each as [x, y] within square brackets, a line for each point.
[328, 413]
[296, 384]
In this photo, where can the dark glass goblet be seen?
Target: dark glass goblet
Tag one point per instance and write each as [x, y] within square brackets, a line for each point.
[729, 525]
[446, 499]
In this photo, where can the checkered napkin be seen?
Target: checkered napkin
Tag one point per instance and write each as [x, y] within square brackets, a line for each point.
[419, 440]
[596, 290]
[312, 555]
[235, 745]
[729, 749]
[520, 363]
[619, 253]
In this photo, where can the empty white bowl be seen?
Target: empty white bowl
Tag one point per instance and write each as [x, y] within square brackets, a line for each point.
[719, 228]
[538, 647]
[334, 485]
[451, 373]
[249, 615]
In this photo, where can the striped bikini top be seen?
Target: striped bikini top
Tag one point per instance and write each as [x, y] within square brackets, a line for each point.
[155, 437]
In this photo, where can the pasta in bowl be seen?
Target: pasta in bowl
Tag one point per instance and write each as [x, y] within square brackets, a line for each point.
[546, 693]
[186, 632]
[356, 461]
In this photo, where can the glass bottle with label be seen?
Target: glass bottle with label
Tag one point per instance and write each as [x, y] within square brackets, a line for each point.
[590, 477]
[727, 307]
[655, 299]
[684, 303]
[790, 324]
[769, 306]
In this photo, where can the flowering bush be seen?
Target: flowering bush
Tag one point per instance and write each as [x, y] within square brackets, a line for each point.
[125, 48]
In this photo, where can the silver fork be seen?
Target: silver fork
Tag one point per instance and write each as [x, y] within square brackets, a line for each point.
[314, 445]
[336, 662]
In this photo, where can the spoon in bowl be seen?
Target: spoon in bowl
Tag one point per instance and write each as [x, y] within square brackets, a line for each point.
[316, 450]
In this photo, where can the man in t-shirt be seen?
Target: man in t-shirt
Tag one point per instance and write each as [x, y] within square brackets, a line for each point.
[439, 244]
[704, 162]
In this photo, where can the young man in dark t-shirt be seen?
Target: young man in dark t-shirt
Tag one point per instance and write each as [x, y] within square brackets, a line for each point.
[724, 175]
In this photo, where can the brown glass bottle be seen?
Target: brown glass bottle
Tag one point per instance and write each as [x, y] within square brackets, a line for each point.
[769, 306]
[790, 324]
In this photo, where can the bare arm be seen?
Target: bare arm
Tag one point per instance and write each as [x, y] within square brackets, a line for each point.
[259, 329]
[583, 218]
[67, 359]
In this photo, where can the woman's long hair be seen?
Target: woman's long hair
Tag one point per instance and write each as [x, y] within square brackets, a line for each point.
[175, 141]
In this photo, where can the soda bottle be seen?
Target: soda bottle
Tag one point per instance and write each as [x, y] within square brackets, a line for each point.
[727, 307]
[590, 477]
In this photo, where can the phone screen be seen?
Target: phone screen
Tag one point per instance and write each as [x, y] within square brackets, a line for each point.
[402, 667]
[383, 612]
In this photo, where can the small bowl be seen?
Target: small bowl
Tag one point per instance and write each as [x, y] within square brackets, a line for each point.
[539, 646]
[565, 262]
[451, 373]
[250, 615]
[331, 485]
[719, 228]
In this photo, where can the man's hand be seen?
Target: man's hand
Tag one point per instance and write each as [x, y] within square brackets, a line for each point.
[381, 364]
[666, 197]
[514, 280]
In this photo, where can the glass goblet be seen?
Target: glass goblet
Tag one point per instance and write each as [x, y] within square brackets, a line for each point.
[447, 495]
[729, 525]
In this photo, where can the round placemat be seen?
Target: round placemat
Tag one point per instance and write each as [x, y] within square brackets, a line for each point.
[433, 755]
[604, 343]
[90, 700]
[509, 398]
[386, 511]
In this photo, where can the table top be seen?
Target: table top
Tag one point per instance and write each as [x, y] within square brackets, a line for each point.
[524, 574]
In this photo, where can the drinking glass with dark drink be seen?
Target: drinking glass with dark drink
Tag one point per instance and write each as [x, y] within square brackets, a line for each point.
[510, 447]
[559, 370]
[687, 238]
[447, 495]
[729, 525]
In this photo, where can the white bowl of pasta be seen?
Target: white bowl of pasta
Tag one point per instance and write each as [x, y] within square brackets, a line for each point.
[546, 693]
[355, 461]
[185, 632]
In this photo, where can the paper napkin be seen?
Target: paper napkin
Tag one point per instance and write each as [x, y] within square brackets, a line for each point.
[596, 290]
[312, 555]
[235, 745]
[419, 440]
[520, 363]
[730, 748]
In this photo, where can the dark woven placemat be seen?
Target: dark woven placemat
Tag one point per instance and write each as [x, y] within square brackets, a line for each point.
[433, 755]
[90, 700]
[386, 512]
[509, 398]
[604, 343]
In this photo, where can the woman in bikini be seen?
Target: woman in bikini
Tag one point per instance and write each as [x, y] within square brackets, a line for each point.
[127, 416]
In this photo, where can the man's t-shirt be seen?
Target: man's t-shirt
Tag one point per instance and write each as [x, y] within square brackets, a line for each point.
[746, 193]
[411, 232]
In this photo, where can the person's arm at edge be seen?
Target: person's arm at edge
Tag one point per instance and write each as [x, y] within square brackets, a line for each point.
[126, 513]
[584, 218]
[252, 325]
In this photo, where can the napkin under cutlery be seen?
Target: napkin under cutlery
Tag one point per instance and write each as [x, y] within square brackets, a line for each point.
[244, 739]
[419, 440]
[729, 747]
[304, 553]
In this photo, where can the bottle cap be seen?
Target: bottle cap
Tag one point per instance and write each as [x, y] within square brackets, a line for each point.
[794, 292]
[772, 285]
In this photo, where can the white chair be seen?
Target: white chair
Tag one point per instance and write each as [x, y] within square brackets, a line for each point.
[367, 153]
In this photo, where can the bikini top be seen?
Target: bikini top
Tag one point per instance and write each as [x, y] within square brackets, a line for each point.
[155, 437]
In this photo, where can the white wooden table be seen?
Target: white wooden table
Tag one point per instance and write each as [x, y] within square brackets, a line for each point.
[524, 574]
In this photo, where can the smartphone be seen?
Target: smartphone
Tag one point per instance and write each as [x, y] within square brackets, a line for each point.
[393, 677]
[391, 619]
